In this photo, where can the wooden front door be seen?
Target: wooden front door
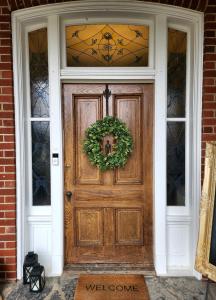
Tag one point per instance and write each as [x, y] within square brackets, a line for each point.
[108, 217]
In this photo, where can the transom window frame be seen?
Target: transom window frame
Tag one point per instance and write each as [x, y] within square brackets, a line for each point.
[115, 20]
[53, 15]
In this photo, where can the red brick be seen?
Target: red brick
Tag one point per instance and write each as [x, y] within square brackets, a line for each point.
[10, 153]
[9, 184]
[210, 73]
[209, 121]
[210, 41]
[210, 57]
[5, 26]
[209, 105]
[5, 42]
[209, 17]
[5, 58]
[4, 3]
[209, 33]
[8, 107]
[6, 222]
[210, 89]
[2, 261]
[10, 260]
[7, 90]
[10, 245]
[6, 130]
[208, 98]
[6, 114]
[210, 25]
[6, 98]
[7, 74]
[8, 268]
[8, 122]
[7, 145]
[7, 252]
[6, 66]
[2, 275]
[5, 82]
[2, 230]
[9, 138]
[208, 81]
[10, 214]
[10, 229]
[5, 50]
[11, 275]
[7, 237]
[208, 113]
[7, 192]
[10, 169]
[209, 65]
[211, 9]
[6, 207]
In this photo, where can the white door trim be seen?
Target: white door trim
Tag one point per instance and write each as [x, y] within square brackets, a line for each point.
[86, 10]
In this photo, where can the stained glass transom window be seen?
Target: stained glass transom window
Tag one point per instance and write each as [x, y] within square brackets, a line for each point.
[108, 45]
[39, 85]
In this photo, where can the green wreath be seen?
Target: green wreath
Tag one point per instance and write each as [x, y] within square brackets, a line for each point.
[121, 149]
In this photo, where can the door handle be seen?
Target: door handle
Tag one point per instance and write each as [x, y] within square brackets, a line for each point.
[69, 194]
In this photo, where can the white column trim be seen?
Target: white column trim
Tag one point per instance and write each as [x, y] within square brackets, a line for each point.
[57, 174]
[20, 143]
[160, 237]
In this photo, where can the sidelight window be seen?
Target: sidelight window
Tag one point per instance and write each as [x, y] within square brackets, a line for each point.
[40, 127]
[176, 117]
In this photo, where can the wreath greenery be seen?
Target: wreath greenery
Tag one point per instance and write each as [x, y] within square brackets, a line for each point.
[121, 149]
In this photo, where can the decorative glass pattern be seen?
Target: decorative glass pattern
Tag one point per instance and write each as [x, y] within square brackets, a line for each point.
[176, 163]
[176, 85]
[39, 84]
[107, 45]
[41, 163]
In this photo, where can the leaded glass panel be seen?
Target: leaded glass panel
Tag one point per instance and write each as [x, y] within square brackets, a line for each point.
[108, 45]
[39, 84]
[41, 163]
[176, 77]
[176, 163]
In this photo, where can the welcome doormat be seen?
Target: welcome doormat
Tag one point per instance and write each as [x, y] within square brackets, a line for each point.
[111, 287]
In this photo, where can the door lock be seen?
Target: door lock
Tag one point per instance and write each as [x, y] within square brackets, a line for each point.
[69, 194]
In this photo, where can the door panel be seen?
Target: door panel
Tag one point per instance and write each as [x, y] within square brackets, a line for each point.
[128, 108]
[129, 226]
[87, 111]
[89, 227]
[109, 216]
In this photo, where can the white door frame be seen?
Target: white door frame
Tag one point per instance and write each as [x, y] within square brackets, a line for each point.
[85, 11]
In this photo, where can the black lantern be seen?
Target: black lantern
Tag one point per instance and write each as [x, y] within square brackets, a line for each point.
[30, 260]
[37, 279]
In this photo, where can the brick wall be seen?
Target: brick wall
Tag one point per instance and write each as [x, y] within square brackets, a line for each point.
[7, 136]
[209, 79]
[7, 152]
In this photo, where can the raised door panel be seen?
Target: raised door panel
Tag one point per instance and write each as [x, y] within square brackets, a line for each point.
[87, 111]
[129, 226]
[128, 108]
[89, 227]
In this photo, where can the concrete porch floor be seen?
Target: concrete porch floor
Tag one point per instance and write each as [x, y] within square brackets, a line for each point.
[160, 288]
